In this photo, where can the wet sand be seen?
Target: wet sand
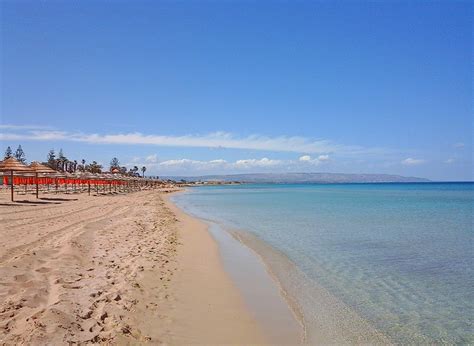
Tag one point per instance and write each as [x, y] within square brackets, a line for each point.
[289, 306]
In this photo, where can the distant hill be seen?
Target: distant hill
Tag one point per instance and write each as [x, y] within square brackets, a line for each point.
[323, 178]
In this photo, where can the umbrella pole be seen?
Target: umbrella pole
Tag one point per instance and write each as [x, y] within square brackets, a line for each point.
[36, 176]
[89, 187]
[11, 183]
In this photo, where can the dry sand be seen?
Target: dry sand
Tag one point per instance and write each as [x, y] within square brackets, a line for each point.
[114, 269]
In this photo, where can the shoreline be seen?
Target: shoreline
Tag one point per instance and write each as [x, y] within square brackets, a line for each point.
[237, 257]
[336, 322]
[207, 304]
[258, 294]
[137, 267]
[290, 300]
[117, 268]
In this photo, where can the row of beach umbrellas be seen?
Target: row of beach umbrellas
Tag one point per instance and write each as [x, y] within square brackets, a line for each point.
[11, 167]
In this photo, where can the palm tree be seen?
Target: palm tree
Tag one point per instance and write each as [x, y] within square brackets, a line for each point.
[82, 166]
[114, 164]
[94, 167]
[8, 153]
[143, 171]
[20, 154]
[62, 160]
[51, 158]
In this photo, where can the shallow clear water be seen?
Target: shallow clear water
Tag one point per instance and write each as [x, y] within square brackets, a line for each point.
[399, 255]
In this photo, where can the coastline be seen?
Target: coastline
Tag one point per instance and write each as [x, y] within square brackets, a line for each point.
[334, 322]
[118, 268]
[206, 302]
[136, 267]
[261, 291]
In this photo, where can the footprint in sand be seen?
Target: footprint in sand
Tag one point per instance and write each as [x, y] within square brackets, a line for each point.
[21, 278]
[43, 270]
[72, 287]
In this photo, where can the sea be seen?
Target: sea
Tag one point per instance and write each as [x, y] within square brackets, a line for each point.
[358, 260]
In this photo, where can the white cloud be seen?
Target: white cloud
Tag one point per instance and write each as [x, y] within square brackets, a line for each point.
[412, 162]
[459, 145]
[305, 158]
[308, 159]
[152, 158]
[244, 165]
[213, 140]
[322, 158]
[179, 162]
[239, 165]
[218, 162]
[450, 160]
[250, 163]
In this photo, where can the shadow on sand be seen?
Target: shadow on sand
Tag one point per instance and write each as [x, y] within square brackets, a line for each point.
[20, 203]
[58, 199]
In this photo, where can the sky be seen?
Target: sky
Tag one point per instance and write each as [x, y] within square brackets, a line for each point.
[211, 87]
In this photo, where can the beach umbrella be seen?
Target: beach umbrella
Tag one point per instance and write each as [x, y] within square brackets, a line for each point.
[110, 179]
[57, 176]
[84, 179]
[101, 181]
[68, 178]
[117, 177]
[89, 177]
[79, 177]
[37, 168]
[13, 165]
[95, 178]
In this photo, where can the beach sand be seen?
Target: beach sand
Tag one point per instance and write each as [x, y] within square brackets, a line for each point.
[123, 268]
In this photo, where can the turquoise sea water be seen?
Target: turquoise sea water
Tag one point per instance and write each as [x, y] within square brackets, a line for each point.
[399, 255]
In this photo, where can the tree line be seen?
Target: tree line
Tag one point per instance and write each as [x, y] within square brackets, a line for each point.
[61, 163]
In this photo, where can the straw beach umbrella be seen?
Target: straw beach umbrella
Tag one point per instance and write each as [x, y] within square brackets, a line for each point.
[88, 177]
[68, 178]
[37, 168]
[13, 165]
[79, 178]
[57, 176]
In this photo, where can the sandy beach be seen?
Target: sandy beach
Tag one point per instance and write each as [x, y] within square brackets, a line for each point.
[122, 268]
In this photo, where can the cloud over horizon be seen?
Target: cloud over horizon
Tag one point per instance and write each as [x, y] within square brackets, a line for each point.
[316, 161]
[412, 162]
[210, 166]
[226, 140]
[250, 154]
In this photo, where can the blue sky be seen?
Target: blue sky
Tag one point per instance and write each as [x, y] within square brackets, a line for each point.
[202, 87]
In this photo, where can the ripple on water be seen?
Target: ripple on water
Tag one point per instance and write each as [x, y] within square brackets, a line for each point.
[396, 258]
